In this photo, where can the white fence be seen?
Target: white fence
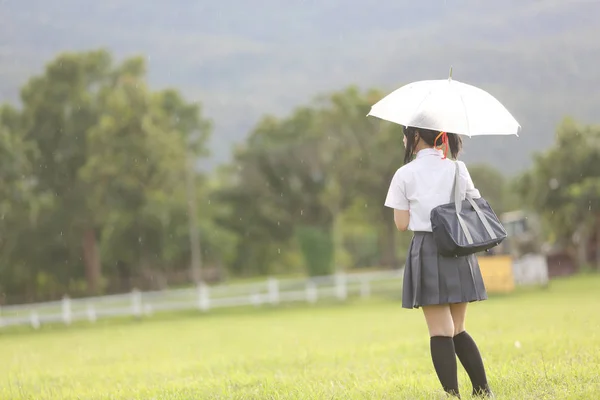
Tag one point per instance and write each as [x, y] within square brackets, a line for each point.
[204, 298]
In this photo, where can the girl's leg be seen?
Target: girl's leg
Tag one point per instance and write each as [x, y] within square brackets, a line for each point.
[441, 332]
[467, 351]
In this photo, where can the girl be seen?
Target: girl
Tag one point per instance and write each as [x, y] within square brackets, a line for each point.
[441, 286]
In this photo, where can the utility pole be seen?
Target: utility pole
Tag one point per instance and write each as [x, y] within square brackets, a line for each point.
[196, 271]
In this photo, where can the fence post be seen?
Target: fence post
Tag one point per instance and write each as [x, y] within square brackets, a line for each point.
[91, 312]
[311, 291]
[66, 310]
[34, 319]
[203, 296]
[341, 288]
[273, 285]
[136, 303]
[365, 288]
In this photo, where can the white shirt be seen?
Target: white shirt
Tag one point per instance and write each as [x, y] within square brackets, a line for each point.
[426, 183]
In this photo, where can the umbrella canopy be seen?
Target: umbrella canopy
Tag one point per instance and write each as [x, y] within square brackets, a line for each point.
[446, 106]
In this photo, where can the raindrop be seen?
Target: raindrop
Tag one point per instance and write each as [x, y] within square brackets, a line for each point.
[278, 251]
[140, 239]
[301, 212]
[278, 223]
[366, 205]
[208, 201]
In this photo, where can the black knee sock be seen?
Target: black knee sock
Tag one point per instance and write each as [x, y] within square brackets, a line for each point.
[470, 358]
[444, 362]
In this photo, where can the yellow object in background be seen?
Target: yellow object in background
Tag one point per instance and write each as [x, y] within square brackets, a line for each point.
[497, 272]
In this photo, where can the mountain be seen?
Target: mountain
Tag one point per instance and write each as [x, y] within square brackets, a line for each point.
[243, 59]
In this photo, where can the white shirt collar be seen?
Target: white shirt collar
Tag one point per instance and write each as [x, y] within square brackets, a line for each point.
[429, 152]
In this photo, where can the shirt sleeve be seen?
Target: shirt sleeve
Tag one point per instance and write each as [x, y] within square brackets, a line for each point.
[471, 189]
[396, 196]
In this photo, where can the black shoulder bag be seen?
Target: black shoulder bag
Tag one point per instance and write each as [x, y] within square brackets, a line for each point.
[464, 227]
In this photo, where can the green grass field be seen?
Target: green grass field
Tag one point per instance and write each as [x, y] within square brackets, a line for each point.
[356, 350]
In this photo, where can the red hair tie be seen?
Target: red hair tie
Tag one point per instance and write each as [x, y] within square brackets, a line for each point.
[444, 143]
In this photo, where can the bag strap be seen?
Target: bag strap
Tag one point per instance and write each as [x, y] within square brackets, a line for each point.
[455, 194]
[457, 200]
[458, 206]
[483, 218]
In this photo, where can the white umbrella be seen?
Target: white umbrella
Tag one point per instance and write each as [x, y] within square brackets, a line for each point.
[446, 106]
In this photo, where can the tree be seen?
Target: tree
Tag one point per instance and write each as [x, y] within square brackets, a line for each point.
[563, 186]
[20, 208]
[59, 109]
[278, 184]
[367, 154]
[112, 155]
[296, 178]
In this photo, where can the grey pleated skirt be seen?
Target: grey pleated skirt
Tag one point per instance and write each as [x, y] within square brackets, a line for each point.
[430, 278]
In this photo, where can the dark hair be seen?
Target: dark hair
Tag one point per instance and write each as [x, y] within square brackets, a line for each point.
[429, 137]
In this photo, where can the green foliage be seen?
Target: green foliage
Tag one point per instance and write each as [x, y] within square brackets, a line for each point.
[317, 249]
[564, 184]
[307, 170]
[93, 168]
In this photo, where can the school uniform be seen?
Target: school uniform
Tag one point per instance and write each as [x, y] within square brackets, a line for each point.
[429, 278]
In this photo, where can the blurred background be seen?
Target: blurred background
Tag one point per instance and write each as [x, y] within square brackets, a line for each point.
[164, 145]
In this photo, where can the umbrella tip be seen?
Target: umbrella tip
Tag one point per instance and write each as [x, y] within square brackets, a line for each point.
[450, 74]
